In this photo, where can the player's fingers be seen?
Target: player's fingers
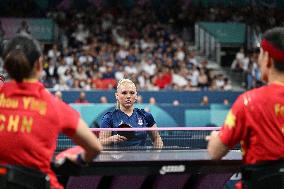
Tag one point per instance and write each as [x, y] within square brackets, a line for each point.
[207, 138]
[214, 133]
[123, 138]
[71, 157]
[116, 137]
[120, 138]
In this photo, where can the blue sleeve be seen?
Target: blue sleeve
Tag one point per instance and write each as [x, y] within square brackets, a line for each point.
[149, 119]
[106, 120]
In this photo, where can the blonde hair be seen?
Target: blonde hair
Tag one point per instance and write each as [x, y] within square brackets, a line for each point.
[121, 82]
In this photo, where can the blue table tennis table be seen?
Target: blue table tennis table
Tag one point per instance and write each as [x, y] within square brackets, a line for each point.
[153, 169]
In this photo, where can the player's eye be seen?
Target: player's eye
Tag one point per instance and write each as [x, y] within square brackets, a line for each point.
[132, 92]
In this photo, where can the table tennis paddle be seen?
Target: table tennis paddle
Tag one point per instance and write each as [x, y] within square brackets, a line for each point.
[127, 134]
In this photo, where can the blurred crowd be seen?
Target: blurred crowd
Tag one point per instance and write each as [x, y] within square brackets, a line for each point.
[96, 47]
[246, 64]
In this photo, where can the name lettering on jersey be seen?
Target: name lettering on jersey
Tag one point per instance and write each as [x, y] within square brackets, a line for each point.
[279, 109]
[36, 105]
[8, 102]
[16, 123]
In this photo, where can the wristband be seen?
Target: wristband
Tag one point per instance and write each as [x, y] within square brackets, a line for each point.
[80, 160]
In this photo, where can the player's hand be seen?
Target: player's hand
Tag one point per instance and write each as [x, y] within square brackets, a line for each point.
[71, 157]
[67, 156]
[117, 138]
[212, 135]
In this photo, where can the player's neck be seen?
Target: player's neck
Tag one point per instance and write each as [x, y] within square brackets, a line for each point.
[276, 77]
[30, 80]
[127, 111]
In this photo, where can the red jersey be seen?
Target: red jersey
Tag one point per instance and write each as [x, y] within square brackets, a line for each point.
[30, 121]
[256, 120]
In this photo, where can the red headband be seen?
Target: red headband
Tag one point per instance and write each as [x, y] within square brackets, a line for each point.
[272, 51]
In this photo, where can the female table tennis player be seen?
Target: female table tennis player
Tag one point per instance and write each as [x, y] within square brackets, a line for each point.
[31, 118]
[125, 115]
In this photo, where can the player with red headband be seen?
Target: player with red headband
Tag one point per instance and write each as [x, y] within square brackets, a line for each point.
[256, 119]
[31, 118]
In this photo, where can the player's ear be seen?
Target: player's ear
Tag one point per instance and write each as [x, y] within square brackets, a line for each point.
[269, 64]
[38, 67]
[267, 60]
[116, 96]
[136, 97]
[39, 64]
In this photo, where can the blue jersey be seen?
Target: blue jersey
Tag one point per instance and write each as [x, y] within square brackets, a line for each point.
[139, 119]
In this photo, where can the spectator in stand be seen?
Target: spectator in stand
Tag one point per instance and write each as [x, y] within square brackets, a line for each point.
[54, 53]
[152, 100]
[81, 35]
[24, 28]
[97, 82]
[62, 86]
[226, 102]
[204, 101]
[139, 99]
[82, 98]
[62, 67]
[76, 84]
[179, 79]
[227, 85]
[103, 100]
[131, 68]
[148, 66]
[191, 59]
[237, 64]
[58, 94]
[142, 80]
[109, 73]
[220, 81]
[51, 75]
[81, 76]
[203, 79]
[164, 78]
[194, 76]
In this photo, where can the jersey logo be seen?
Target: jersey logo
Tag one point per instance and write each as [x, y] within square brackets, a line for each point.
[230, 120]
[140, 122]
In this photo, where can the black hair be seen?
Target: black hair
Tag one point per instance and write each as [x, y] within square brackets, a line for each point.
[20, 55]
[275, 36]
